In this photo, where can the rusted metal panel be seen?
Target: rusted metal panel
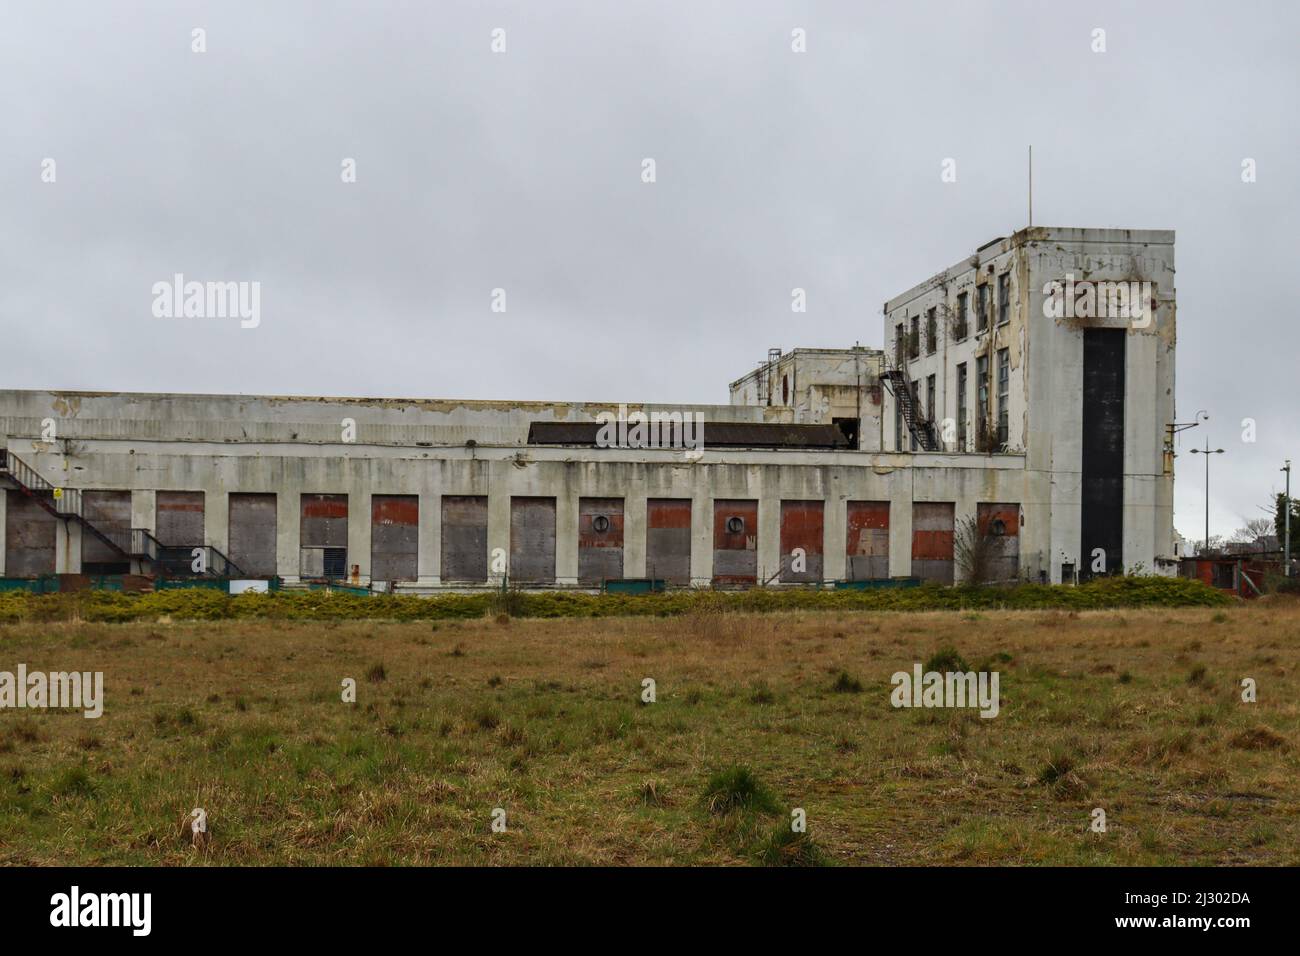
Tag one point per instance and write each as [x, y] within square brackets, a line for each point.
[464, 538]
[253, 533]
[1102, 488]
[802, 529]
[323, 535]
[932, 540]
[735, 541]
[668, 539]
[394, 537]
[867, 546]
[714, 435]
[532, 540]
[30, 535]
[180, 518]
[110, 512]
[1001, 522]
[600, 539]
[324, 521]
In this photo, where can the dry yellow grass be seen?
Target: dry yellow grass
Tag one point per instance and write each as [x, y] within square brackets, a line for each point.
[1136, 712]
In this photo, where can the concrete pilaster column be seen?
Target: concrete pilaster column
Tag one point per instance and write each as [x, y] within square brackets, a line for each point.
[67, 547]
[566, 536]
[288, 535]
[701, 528]
[769, 529]
[216, 520]
[634, 532]
[430, 539]
[900, 524]
[4, 520]
[359, 533]
[144, 510]
[835, 530]
[498, 521]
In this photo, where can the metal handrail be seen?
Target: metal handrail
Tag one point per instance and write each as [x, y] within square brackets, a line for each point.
[67, 501]
[177, 560]
[144, 544]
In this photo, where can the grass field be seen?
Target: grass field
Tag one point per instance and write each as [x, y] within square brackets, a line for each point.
[1138, 712]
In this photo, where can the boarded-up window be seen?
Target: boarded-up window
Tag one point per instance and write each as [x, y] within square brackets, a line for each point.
[735, 541]
[1101, 506]
[30, 533]
[180, 518]
[110, 513]
[323, 536]
[464, 538]
[932, 536]
[801, 541]
[394, 537]
[668, 539]
[253, 534]
[1000, 522]
[868, 540]
[600, 539]
[532, 540]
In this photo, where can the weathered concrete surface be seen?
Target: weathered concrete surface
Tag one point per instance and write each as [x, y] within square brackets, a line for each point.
[1046, 376]
[183, 457]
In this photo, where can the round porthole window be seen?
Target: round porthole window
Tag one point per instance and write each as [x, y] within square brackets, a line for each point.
[735, 524]
[997, 527]
[600, 523]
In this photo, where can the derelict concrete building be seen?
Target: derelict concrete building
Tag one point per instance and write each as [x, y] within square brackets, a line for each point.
[828, 464]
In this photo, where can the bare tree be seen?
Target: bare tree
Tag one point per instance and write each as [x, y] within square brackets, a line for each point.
[973, 551]
[1252, 530]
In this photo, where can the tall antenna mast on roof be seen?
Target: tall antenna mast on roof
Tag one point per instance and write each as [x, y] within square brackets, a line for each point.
[1031, 185]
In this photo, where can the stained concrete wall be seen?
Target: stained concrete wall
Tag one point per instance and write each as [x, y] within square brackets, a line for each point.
[1047, 379]
[148, 468]
[819, 386]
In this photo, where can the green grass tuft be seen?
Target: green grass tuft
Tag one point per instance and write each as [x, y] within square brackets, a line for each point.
[736, 788]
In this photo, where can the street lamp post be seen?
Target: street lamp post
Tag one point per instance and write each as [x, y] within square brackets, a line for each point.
[1207, 453]
[1286, 505]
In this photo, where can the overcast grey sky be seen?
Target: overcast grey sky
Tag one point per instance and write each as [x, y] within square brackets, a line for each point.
[522, 170]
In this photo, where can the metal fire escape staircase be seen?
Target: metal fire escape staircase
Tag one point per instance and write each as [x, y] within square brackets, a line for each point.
[62, 503]
[895, 379]
[137, 543]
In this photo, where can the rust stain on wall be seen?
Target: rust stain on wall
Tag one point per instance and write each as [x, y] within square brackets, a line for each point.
[668, 539]
[867, 546]
[802, 528]
[600, 539]
[735, 541]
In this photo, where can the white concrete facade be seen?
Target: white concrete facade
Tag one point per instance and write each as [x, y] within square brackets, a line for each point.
[291, 447]
[1044, 397]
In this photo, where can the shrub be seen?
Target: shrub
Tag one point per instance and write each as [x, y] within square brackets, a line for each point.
[947, 660]
[73, 782]
[205, 604]
[1057, 766]
[787, 848]
[736, 788]
[845, 684]
[1258, 738]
